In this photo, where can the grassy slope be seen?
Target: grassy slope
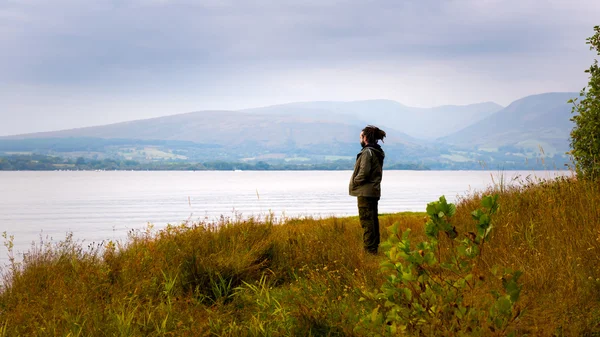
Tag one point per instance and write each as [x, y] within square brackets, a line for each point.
[301, 278]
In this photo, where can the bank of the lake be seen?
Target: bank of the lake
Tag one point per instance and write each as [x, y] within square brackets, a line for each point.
[307, 277]
[98, 206]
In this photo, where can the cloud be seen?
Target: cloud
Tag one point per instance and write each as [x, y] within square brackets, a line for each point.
[271, 50]
[168, 34]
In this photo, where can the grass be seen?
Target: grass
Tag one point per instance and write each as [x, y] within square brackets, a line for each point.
[150, 153]
[300, 278]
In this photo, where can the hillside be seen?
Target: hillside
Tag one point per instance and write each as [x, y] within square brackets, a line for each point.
[416, 122]
[317, 132]
[524, 126]
[306, 276]
[216, 135]
[228, 128]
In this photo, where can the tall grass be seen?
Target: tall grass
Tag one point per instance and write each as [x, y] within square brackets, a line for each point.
[551, 231]
[302, 277]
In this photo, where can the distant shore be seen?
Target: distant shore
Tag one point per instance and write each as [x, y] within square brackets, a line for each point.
[43, 162]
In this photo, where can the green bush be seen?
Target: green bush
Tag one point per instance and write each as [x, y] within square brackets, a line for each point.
[585, 136]
[435, 287]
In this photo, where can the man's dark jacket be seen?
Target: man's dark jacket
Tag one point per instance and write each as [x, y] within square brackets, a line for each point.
[368, 171]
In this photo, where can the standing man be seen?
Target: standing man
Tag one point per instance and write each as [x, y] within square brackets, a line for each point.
[366, 184]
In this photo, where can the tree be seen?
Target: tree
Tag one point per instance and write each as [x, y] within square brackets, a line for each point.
[585, 136]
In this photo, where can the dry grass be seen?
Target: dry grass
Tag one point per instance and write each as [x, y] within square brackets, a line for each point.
[304, 277]
[550, 231]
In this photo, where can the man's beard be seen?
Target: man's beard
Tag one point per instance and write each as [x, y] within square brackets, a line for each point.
[363, 144]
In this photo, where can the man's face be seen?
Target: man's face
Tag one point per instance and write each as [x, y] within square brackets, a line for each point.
[363, 141]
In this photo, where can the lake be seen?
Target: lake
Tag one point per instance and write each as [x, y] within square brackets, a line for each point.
[97, 206]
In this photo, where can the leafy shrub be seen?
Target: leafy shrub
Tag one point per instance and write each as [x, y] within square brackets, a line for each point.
[435, 287]
[585, 136]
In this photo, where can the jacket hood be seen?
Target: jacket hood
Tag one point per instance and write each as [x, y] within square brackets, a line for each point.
[377, 150]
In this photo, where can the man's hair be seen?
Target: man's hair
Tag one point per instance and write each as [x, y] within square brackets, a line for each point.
[373, 134]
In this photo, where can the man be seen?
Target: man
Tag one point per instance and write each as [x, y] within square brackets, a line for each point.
[366, 184]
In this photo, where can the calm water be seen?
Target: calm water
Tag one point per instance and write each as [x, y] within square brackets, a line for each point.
[105, 205]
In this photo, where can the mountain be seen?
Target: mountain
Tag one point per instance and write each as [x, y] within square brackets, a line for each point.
[300, 123]
[216, 135]
[229, 128]
[416, 122]
[456, 137]
[524, 126]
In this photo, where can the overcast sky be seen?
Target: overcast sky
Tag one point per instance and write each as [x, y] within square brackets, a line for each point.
[72, 63]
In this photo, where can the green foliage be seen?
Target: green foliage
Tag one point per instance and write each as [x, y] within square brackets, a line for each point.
[484, 226]
[439, 213]
[585, 136]
[436, 290]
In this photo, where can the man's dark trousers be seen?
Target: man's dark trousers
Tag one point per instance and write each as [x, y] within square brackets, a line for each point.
[369, 221]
